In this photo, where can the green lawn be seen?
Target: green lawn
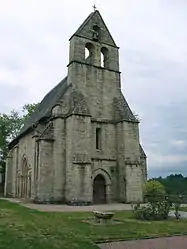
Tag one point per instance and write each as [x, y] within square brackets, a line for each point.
[24, 228]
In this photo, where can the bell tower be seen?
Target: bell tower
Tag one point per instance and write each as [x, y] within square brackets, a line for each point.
[92, 45]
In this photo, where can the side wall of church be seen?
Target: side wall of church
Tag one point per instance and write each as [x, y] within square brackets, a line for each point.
[26, 150]
[130, 173]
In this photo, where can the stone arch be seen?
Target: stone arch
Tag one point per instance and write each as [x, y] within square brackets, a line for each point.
[89, 52]
[101, 186]
[24, 179]
[104, 57]
[104, 173]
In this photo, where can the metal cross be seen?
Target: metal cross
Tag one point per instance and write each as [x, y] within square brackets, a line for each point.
[94, 7]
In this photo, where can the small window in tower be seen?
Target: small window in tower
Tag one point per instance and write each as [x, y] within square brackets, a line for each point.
[96, 33]
[104, 57]
[98, 138]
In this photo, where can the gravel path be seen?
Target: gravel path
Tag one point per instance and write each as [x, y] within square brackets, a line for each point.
[177, 242]
[67, 208]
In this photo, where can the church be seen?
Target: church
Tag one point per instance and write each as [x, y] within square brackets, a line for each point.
[81, 146]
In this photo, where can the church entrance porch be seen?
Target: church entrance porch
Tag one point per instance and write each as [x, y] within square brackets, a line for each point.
[99, 190]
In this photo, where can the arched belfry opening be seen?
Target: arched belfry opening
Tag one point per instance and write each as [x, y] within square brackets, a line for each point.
[104, 57]
[99, 190]
[89, 51]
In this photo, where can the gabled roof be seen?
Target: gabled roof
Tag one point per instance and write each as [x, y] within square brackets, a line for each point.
[45, 107]
[85, 29]
[122, 110]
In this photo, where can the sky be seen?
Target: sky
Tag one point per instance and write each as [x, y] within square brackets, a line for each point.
[152, 37]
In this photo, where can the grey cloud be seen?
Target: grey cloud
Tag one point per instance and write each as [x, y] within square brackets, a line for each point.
[13, 97]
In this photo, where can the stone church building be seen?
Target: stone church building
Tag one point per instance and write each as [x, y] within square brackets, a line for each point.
[82, 145]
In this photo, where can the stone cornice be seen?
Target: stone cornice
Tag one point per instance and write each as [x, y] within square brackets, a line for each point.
[87, 64]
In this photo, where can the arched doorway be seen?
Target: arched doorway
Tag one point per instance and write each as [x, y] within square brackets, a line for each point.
[23, 180]
[99, 190]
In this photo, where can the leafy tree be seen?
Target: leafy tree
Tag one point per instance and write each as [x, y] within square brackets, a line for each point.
[10, 126]
[175, 184]
[28, 109]
[153, 190]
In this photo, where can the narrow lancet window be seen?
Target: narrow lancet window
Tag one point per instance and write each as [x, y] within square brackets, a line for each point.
[98, 138]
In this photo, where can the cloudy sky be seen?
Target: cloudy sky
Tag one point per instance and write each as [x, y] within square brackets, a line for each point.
[152, 37]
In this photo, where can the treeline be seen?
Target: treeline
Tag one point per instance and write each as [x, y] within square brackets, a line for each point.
[175, 184]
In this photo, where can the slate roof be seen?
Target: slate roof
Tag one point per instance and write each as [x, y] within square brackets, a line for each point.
[45, 107]
[122, 110]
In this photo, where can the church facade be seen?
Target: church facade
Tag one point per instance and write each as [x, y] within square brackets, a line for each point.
[81, 145]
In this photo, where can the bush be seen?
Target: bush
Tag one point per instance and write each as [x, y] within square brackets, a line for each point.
[152, 211]
[158, 205]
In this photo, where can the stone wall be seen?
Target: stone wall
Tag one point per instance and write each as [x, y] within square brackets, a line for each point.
[59, 159]
[78, 160]
[45, 172]
[130, 173]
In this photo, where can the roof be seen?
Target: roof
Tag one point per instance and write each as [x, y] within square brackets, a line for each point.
[45, 107]
[95, 18]
[122, 110]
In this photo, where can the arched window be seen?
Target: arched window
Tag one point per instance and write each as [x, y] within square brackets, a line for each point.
[87, 53]
[96, 33]
[104, 57]
[89, 48]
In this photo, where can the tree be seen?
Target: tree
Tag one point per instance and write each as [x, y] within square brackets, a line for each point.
[28, 109]
[10, 126]
[154, 190]
[175, 184]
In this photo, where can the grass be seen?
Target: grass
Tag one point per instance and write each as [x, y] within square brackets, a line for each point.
[25, 228]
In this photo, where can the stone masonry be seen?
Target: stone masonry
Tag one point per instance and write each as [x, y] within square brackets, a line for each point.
[82, 145]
